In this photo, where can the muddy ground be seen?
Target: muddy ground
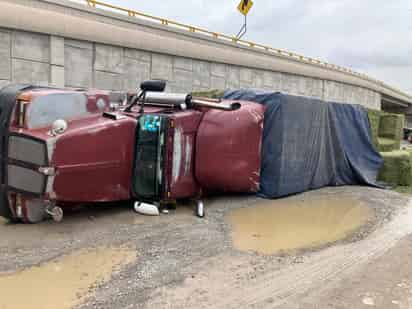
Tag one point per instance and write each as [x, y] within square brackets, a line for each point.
[181, 261]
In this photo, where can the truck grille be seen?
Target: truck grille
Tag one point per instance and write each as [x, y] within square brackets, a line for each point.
[27, 150]
[26, 155]
[24, 179]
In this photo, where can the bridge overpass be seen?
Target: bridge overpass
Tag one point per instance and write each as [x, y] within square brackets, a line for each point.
[90, 44]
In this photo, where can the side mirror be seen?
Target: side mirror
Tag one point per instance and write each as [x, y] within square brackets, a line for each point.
[155, 85]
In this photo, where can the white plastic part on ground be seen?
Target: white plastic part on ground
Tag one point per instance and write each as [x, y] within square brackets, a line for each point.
[146, 209]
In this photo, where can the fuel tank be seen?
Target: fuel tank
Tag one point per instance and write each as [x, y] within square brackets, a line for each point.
[228, 149]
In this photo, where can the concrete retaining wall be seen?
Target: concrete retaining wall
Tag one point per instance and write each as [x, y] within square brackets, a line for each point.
[50, 42]
[27, 57]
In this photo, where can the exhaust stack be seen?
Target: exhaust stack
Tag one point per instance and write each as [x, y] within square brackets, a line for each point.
[186, 101]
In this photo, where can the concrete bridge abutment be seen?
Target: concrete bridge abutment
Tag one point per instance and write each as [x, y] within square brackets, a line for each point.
[61, 43]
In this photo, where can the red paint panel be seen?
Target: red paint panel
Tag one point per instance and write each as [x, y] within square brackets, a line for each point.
[94, 161]
[181, 139]
[228, 148]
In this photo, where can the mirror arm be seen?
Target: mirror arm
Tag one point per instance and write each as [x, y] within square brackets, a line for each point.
[135, 100]
[143, 97]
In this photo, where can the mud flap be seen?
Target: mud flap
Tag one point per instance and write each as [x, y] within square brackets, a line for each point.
[8, 97]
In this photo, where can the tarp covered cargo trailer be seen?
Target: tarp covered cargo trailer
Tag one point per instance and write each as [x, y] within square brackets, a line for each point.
[309, 143]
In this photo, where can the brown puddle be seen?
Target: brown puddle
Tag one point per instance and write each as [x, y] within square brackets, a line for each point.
[290, 224]
[63, 283]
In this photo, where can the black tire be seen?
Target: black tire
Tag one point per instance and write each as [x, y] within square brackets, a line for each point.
[5, 211]
[13, 220]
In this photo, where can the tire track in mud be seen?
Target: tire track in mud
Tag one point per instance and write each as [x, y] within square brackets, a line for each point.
[227, 284]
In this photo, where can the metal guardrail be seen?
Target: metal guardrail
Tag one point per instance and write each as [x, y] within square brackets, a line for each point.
[227, 38]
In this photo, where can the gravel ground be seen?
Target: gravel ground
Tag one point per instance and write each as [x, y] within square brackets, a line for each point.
[183, 261]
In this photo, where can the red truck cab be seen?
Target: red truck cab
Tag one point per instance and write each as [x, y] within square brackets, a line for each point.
[65, 147]
[42, 164]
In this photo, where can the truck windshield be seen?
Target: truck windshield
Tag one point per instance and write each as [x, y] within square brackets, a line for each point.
[44, 110]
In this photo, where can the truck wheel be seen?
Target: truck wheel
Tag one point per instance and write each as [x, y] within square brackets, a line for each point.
[4, 207]
[13, 220]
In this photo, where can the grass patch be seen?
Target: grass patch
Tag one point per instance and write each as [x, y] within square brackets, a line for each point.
[374, 118]
[403, 189]
[391, 127]
[386, 130]
[387, 144]
[397, 168]
[212, 94]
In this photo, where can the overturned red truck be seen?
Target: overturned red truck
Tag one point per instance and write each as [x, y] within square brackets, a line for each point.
[62, 147]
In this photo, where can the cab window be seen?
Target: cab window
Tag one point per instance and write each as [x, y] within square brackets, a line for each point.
[44, 110]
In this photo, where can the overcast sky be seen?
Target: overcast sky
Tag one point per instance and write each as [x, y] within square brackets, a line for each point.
[371, 36]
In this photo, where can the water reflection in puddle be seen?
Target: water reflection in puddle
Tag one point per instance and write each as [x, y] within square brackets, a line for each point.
[290, 224]
[62, 283]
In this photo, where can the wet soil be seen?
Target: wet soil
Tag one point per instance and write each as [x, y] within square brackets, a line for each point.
[187, 262]
[63, 282]
[383, 283]
[283, 225]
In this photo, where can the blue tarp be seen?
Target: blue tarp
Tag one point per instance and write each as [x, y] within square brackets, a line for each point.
[309, 143]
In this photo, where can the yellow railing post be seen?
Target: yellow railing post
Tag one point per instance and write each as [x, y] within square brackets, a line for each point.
[91, 3]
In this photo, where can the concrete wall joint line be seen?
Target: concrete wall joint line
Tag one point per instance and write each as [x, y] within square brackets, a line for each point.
[35, 61]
